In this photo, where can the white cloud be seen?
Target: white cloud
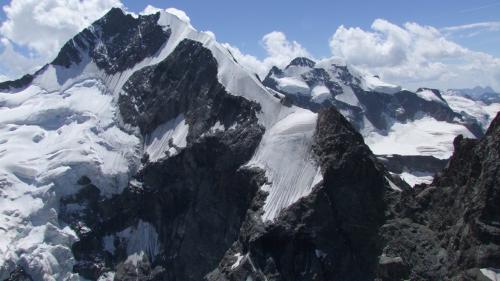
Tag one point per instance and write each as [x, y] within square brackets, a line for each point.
[492, 25]
[16, 64]
[43, 26]
[149, 10]
[471, 30]
[414, 55]
[3, 78]
[176, 12]
[280, 51]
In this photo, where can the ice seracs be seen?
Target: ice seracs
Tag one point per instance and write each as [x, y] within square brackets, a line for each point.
[50, 140]
[65, 125]
[285, 154]
[425, 136]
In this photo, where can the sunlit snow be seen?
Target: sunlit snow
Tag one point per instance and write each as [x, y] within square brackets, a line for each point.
[425, 136]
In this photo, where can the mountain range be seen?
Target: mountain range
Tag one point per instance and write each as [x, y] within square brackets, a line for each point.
[145, 151]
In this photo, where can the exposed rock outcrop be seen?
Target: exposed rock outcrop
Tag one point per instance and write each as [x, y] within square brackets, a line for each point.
[332, 234]
[195, 200]
[448, 229]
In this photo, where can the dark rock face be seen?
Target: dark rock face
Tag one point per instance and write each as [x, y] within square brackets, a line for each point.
[302, 61]
[380, 108]
[449, 229]
[19, 275]
[17, 84]
[20, 83]
[160, 93]
[416, 163]
[332, 234]
[351, 227]
[197, 199]
[383, 110]
[115, 42]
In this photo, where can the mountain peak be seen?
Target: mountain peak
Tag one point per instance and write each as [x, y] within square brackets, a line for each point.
[115, 42]
[302, 61]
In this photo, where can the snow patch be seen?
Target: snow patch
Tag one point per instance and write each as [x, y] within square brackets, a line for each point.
[429, 95]
[373, 83]
[392, 185]
[285, 154]
[293, 86]
[348, 96]
[239, 257]
[482, 112]
[320, 94]
[413, 178]
[491, 273]
[425, 136]
[141, 238]
[167, 140]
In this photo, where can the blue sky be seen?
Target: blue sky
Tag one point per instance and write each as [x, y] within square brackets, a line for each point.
[312, 23]
[452, 43]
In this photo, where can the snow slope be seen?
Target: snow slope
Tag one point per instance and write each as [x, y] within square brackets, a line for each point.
[167, 139]
[425, 136]
[49, 140]
[285, 154]
[66, 124]
[428, 95]
[373, 83]
[484, 113]
[392, 120]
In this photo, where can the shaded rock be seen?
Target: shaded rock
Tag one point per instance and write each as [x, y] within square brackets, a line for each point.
[115, 42]
[392, 268]
[332, 234]
[19, 275]
[195, 201]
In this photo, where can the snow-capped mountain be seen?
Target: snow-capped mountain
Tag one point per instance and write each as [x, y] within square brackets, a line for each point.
[392, 120]
[123, 98]
[144, 151]
[479, 103]
[485, 94]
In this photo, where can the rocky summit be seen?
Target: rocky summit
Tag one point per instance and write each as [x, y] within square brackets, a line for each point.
[145, 151]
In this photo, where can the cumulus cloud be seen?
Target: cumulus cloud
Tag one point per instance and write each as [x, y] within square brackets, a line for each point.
[414, 55]
[279, 50]
[176, 12]
[14, 64]
[43, 26]
[149, 10]
[411, 54]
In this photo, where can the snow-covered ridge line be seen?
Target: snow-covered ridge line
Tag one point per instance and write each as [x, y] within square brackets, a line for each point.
[238, 81]
[66, 124]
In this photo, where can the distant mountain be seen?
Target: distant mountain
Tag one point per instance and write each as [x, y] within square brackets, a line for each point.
[484, 94]
[393, 121]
